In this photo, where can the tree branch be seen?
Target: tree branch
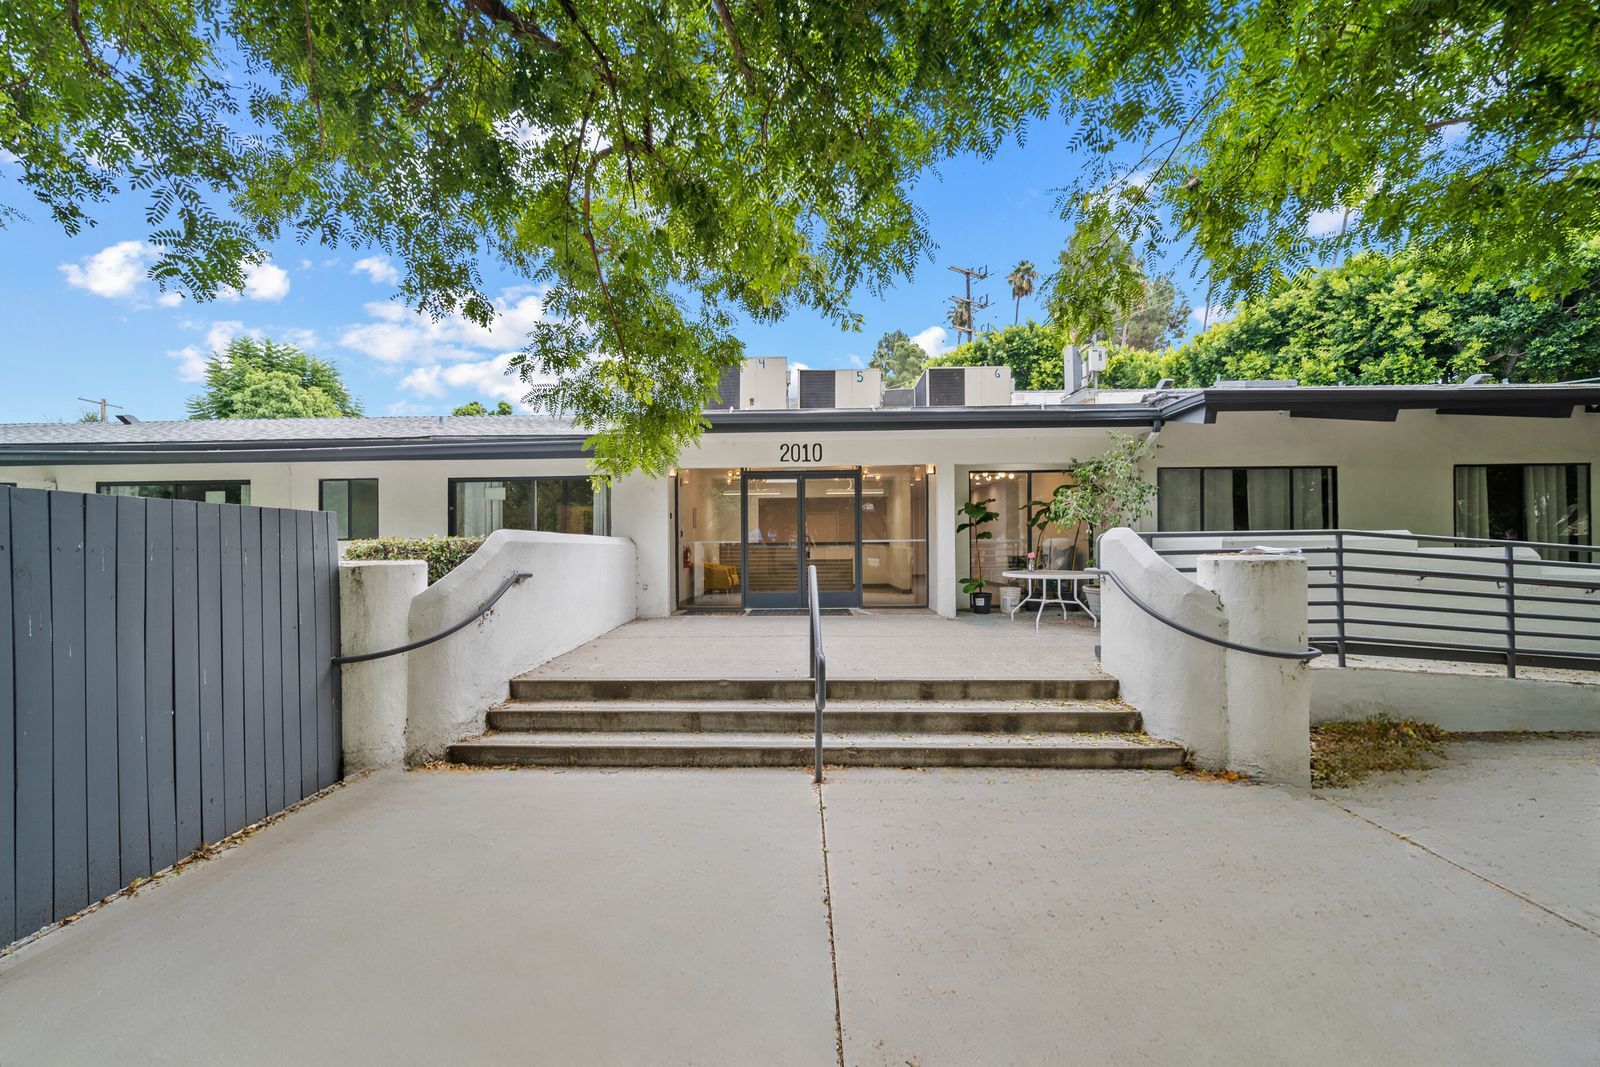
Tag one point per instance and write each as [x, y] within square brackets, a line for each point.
[497, 11]
[726, 18]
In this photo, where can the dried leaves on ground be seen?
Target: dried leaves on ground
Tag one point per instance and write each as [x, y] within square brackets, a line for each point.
[1345, 752]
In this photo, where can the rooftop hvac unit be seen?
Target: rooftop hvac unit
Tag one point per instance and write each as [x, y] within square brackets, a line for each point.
[764, 383]
[840, 388]
[957, 387]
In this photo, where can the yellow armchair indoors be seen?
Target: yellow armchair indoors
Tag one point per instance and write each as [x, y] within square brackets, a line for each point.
[720, 577]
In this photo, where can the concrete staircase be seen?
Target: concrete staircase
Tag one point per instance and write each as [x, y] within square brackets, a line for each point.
[682, 722]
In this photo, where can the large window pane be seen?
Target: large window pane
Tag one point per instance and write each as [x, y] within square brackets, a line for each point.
[479, 508]
[1546, 502]
[894, 537]
[354, 503]
[200, 492]
[1244, 498]
[708, 539]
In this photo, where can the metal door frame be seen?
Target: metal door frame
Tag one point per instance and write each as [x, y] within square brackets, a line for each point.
[797, 599]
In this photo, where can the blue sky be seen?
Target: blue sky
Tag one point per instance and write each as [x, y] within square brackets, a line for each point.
[83, 320]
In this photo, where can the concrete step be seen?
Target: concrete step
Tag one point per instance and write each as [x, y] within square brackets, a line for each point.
[734, 716]
[651, 749]
[544, 687]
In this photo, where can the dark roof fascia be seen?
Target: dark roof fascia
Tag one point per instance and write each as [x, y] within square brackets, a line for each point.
[1382, 403]
[315, 451]
[1019, 417]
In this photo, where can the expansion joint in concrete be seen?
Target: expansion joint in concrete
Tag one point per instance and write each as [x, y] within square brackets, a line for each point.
[1414, 843]
[827, 900]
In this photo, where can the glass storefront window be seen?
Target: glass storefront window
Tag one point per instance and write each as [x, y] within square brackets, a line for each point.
[1245, 498]
[354, 503]
[479, 507]
[894, 537]
[708, 539]
[1018, 496]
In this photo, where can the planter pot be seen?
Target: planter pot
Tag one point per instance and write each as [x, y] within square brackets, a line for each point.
[1091, 597]
[981, 603]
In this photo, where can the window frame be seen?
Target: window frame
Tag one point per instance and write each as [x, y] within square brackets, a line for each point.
[1585, 478]
[243, 483]
[1331, 472]
[533, 481]
[377, 501]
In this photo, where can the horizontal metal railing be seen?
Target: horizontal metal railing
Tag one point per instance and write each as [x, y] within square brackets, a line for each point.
[1432, 596]
[818, 666]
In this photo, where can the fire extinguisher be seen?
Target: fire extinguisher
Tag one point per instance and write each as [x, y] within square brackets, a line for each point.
[686, 564]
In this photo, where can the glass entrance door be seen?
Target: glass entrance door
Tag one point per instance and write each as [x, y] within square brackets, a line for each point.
[791, 520]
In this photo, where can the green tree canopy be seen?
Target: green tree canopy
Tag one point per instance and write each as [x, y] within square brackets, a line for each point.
[1388, 320]
[899, 358]
[476, 407]
[660, 169]
[1277, 136]
[1032, 351]
[1160, 317]
[260, 379]
[1097, 283]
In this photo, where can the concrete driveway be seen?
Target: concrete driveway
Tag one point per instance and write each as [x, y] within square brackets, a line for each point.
[977, 917]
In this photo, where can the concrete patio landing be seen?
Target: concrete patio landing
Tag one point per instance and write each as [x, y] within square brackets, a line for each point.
[978, 917]
[890, 644]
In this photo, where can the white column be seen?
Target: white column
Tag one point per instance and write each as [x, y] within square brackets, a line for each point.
[641, 511]
[374, 611]
[942, 541]
[1268, 699]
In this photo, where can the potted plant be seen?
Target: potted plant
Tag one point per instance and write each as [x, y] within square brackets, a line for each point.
[978, 514]
[1106, 491]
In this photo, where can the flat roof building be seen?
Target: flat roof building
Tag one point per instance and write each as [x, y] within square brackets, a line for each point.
[870, 493]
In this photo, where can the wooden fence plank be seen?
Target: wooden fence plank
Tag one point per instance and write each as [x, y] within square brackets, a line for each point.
[100, 693]
[255, 790]
[329, 743]
[31, 638]
[159, 663]
[289, 579]
[272, 657]
[70, 792]
[8, 756]
[133, 799]
[186, 675]
[305, 549]
[232, 623]
[208, 521]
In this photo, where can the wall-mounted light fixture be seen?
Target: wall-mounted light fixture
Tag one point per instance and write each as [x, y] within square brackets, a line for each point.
[930, 470]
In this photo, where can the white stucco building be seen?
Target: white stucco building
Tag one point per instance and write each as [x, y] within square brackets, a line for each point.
[870, 492]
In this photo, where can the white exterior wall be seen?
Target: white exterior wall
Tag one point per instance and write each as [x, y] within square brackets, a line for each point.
[1459, 702]
[1391, 475]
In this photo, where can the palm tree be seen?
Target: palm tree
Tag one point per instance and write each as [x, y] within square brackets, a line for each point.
[1022, 277]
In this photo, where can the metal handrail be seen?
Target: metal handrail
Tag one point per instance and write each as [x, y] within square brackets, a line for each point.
[818, 666]
[1273, 653]
[1504, 597]
[412, 646]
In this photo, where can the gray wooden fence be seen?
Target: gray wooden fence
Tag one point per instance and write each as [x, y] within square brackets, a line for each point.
[165, 680]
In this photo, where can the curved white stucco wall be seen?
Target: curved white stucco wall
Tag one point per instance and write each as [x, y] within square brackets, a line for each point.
[581, 587]
[1175, 681]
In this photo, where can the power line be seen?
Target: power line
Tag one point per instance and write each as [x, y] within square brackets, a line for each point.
[963, 317]
[103, 402]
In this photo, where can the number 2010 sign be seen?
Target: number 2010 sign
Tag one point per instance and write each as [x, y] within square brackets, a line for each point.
[800, 453]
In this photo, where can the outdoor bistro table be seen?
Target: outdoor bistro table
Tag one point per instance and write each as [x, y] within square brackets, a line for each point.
[1044, 578]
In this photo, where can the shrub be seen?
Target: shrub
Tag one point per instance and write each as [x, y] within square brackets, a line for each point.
[441, 554]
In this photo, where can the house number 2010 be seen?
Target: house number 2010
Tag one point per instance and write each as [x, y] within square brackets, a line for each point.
[811, 453]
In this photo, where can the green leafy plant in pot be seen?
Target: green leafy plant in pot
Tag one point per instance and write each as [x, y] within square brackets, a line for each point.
[1106, 491]
[977, 514]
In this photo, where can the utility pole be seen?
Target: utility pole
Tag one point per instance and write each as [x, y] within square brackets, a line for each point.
[103, 402]
[965, 320]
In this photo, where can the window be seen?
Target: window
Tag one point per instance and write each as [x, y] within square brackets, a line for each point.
[1246, 498]
[478, 507]
[1524, 502]
[355, 503]
[1017, 496]
[201, 492]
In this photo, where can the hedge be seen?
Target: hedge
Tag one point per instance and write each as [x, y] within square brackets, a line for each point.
[441, 554]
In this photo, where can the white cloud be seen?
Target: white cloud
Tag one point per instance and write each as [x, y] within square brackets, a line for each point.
[1328, 223]
[795, 367]
[934, 340]
[115, 271]
[191, 363]
[400, 335]
[262, 281]
[855, 360]
[220, 333]
[378, 269]
[300, 338]
[170, 300]
[486, 378]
